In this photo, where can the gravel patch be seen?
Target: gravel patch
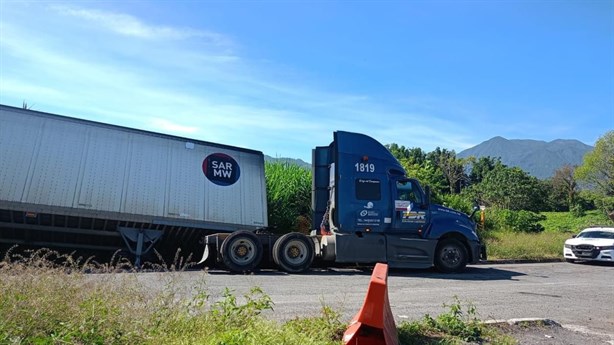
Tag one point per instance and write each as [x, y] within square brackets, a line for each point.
[549, 332]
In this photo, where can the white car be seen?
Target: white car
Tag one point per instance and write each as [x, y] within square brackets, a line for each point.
[592, 244]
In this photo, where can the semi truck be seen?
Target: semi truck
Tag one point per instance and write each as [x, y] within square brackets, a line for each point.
[365, 210]
[77, 183]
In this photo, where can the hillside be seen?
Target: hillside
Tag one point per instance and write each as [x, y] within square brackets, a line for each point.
[539, 158]
[298, 162]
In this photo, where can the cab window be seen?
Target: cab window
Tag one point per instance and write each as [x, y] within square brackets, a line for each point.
[368, 189]
[406, 190]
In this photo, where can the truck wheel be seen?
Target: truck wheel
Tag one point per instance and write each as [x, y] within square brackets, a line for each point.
[241, 251]
[293, 252]
[450, 256]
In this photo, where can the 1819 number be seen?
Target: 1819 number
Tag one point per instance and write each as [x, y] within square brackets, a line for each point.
[364, 167]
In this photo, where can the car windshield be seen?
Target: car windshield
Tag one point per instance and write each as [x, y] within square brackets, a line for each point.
[596, 234]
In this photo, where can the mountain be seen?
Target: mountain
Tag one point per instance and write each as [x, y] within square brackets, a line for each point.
[298, 162]
[539, 158]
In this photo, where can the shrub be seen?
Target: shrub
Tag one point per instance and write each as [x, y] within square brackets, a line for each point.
[458, 202]
[516, 221]
[577, 210]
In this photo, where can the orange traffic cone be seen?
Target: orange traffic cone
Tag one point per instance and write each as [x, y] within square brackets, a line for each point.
[374, 323]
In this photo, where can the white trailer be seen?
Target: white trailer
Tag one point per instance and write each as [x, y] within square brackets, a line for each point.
[68, 182]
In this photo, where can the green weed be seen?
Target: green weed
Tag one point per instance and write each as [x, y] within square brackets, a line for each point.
[457, 326]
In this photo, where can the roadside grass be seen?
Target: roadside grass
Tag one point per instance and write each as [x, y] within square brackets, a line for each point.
[48, 298]
[525, 246]
[559, 226]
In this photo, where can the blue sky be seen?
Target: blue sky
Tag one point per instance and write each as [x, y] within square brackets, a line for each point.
[281, 76]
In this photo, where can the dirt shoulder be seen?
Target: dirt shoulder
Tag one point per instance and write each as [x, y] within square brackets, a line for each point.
[547, 332]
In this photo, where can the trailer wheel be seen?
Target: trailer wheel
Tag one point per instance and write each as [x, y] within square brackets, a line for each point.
[450, 256]
[241, 251]
[293, 252]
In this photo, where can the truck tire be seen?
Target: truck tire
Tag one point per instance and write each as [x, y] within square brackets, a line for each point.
[293, 252]
[450, 256]
[241, 251]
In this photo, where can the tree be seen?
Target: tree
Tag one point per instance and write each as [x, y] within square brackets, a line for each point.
[511, 188]
[417, 166]
[597, 170]
[453, 169]
[597, 167]
[482, 166]
[427, 174]
[413, 155]
[564, 185]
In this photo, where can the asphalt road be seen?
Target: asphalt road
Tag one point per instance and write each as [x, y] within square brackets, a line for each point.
[580, 295]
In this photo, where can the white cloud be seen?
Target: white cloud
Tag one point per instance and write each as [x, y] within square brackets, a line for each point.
[169, 126]
[188, 91]
[128, 25]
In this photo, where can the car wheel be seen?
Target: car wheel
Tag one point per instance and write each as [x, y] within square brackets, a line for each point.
[241, 251]
[450, 256]
[293, 252]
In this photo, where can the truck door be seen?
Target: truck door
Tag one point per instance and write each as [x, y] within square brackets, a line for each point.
[410, 214]
[405, 246]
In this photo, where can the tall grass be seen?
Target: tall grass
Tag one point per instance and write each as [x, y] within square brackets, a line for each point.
[289, 197]
[47, 298]
[531, 246]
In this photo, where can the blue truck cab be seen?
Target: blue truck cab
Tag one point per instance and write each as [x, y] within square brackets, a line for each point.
[369, 211]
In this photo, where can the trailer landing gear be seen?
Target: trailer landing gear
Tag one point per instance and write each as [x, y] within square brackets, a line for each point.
[139, 241]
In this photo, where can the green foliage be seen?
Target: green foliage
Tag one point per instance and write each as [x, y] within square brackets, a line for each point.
[321, 327]
[458, 323]
[453, 168]
[288, 197]
[564, 186]
[480, 167]
[457, 326]
[428, 175]
[228, 312]
[567, 222]
[460, 202]
[411, 155]
[515, 221]
[577, 210]
[597, 168]
[510, 188]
